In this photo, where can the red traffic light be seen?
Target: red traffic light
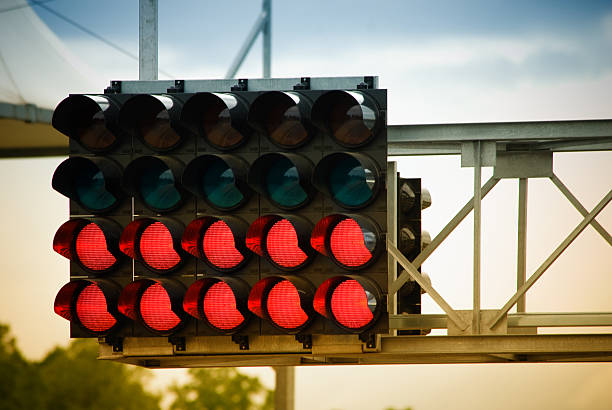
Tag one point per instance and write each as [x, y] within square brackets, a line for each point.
[286, 301]
[93, 243]
[156, 304]
[353, 242]
[282, 239]
[220, 302]
[155, 242]
[353, 303]
[219, 241]
[92, 304]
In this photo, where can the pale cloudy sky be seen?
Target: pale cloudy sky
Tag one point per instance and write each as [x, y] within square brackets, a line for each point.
[442, 61]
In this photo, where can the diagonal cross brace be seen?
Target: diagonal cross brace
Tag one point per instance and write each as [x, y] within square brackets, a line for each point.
[574, 201]
[553, 257]
[416, 275]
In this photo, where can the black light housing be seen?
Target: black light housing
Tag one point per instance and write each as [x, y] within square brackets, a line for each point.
[90, 120]
[154, 120]
[221, 180]
[92, 182]
[283, 117]
[220, 118]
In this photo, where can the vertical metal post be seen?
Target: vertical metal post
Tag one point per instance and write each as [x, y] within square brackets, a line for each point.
[267, 38]
[147, 45]
[477, 220]
[392, 204]
[284, 397]
[521, 263]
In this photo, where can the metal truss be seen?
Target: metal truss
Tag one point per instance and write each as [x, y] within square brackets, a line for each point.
[515, 150]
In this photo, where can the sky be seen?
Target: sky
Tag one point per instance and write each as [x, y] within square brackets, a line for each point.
[442, 62]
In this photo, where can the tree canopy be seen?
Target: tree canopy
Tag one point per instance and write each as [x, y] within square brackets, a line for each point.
[71, 378]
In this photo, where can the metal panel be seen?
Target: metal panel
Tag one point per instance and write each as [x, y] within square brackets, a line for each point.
[405, 349]
[524, 165]
[256, 84]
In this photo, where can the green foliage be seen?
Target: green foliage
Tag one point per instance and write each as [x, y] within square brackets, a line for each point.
[18, 378]
[69, 378]
[217, 389]
[72, 378]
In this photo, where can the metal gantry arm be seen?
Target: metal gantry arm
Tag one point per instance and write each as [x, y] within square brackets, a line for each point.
[518, 151]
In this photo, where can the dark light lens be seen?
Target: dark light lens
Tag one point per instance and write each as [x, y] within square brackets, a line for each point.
[156, 131]
[92, 311]
[91, 191]
[283, 184]
[157, 247]
[352, 305]
[284, 124]
[350, 122]
[92, 250]
[351, 244]
[284, 307]
[217, 126]
[156, 309]
[282, 245]
[157, 187]
[220, 247]
[220, 307]
[219, 185]
[93, 134]
[350, 183]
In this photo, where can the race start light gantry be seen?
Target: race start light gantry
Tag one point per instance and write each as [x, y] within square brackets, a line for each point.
[225, 211]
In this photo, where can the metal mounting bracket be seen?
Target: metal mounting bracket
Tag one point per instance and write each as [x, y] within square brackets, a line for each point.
[242, 341]
[305, 340]
[178, 342]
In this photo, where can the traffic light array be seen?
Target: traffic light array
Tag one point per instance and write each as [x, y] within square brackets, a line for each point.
[232, 212]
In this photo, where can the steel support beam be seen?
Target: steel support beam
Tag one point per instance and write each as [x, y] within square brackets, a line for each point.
[284, 394]
[262, 24]
[266, 33]
[148, 40]
[477, 223]
[553, 257]
[395, 350]
[521, 254]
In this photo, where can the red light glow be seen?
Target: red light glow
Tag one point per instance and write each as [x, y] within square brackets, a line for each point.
[157, 247]
[156, 309]
[219, 246]
[92, 311]
[92, 250]
[282, 245]
[220, 307]
[348, 245]
[349, 304]
[284, 307]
